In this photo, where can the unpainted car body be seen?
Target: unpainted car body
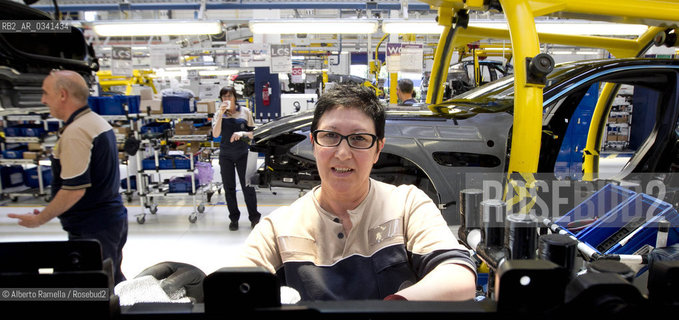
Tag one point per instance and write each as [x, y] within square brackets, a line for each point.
[443, 152]
[26, 58]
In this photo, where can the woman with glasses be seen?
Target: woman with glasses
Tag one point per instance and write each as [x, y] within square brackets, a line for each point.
[353, 237]
[235, 125]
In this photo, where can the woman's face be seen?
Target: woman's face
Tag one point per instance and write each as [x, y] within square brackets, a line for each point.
[346, 170]
[228, 96]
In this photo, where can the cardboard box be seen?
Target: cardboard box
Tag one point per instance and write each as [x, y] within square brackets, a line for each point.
[146, 93]
[122, 155]
[206, 107]
[122, 130]
[34, 146]
[203, 130]
[183, 128]
[188, 148]
[156, 106]
[31, 155]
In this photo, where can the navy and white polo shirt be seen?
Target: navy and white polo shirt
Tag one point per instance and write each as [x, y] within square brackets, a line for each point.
[86, 157]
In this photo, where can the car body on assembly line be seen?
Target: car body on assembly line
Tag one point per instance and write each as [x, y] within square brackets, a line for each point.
[442, 152]
[26, 58]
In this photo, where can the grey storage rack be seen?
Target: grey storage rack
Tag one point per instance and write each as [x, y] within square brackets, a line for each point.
[46, 142]
[149, 192]
[132, 119]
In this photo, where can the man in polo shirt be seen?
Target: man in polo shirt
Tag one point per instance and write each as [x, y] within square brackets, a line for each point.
[405, 93]
[86, 183]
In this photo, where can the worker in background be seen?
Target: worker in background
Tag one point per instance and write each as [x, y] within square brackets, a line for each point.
[86, 183]
[405, 93]
[353, 237]
[235, 125]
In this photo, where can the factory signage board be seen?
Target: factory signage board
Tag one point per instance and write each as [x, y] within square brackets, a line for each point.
[412, 57]
[254, 55]
[393, 57]
[121, 61]
[296, 75]
[281, 58]
[404, 57]
[164, 56]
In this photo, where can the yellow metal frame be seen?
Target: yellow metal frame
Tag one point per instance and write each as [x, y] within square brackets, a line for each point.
[140, 77]
[525, 39]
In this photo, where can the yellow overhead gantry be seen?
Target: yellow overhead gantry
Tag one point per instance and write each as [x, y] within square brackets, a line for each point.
[525, 42]
[140, 77]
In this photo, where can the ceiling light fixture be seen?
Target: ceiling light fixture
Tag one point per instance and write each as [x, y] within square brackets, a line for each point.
[156, 28]
[326, 26]
[562, 27]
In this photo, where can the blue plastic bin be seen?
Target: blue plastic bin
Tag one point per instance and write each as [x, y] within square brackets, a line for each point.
[596, 205]
[93, 102]
[33, 130]
[180, 184]
[52, 126]
[167, 162]
[31, 177]
[133, 183]
[14, 131]
[178, 104]
[640, 214]
[12, 176]
[155, 127]
[15, 153]
[115, 105]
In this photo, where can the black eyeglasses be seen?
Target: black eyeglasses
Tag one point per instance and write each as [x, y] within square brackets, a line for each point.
[327, 138]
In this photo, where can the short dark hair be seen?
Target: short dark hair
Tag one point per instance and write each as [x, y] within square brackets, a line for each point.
[405, 85]
[232, 90]
[226, 89]
[351, 96]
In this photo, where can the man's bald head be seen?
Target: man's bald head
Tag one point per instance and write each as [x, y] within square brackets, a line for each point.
[64, 92]
[73, 83]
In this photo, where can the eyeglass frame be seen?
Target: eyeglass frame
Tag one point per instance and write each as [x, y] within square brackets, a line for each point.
[314, 134]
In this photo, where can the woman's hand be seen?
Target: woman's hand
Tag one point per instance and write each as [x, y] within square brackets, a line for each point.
[236, 136]
[223, 108]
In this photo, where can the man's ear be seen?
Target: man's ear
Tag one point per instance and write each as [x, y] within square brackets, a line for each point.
[63, 94]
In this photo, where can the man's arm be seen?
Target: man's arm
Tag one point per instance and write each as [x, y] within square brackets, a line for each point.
[63, 200]
[447, 282]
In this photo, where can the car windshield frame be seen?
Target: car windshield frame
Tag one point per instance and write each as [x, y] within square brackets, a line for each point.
[504, 88]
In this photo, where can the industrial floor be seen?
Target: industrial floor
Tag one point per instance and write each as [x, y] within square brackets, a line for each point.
[168, 235]
[165, 236]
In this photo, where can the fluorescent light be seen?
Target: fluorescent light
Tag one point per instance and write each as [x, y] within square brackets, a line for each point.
[587, 53]
[563, 52]
[156, 28]
[90, 16]
[414, 27]
[329, 26]
[563, 27]
[217, 72]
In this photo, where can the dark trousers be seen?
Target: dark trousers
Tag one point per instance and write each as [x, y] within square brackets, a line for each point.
[112, 240]
[226, 167]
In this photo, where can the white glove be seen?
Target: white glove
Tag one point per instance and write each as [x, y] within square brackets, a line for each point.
[289, 295]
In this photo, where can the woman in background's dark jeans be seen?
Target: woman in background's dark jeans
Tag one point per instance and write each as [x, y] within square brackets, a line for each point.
[235, 125]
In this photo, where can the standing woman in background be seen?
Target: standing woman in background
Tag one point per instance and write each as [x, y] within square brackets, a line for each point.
[235, 125]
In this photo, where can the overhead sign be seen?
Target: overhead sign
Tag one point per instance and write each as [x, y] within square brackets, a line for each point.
[296, 75]
[281, 58]
[404, 57]
[254, 55]
[121, 61]
[412, 58]
[393, 57]
[165, 55]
